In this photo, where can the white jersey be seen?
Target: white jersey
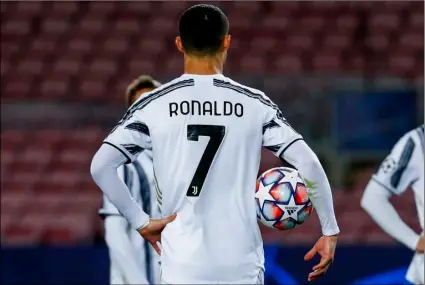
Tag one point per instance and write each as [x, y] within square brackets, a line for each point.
[206, 134]
[139, 178]
[402, 168]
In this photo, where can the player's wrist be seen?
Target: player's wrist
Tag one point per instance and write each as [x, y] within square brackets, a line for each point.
[143, 225]
[331, 232]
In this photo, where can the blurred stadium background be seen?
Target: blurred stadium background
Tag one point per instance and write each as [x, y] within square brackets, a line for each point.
[347, 75]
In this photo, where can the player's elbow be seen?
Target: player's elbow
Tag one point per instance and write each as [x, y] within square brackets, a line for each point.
[311, 163]
[96, 167]
[365, 201]
[372, 195]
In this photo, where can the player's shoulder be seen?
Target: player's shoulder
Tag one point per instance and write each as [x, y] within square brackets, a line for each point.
[413, 134]
[253, 93]
[229, 83]
[166, 88]
[410, 141]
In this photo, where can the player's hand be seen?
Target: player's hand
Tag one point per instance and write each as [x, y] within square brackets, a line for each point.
[325, 247]
[152, 232]
[420, 245]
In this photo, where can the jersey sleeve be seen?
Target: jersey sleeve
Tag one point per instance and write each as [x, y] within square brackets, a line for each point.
[131, 136]
[397, 172]
[107, 207]
[278, 135]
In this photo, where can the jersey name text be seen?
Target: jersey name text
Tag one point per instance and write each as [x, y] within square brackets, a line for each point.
[207, 108]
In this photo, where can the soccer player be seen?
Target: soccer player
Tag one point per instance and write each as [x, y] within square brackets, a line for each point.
[402, 168]
[206, 132]
[132, 260]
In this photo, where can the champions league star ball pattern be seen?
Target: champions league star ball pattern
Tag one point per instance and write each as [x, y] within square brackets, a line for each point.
[282, 199]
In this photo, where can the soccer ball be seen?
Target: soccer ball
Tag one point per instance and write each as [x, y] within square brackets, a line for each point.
[282, 199]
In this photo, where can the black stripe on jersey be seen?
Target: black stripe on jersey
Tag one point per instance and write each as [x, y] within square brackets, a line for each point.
[274, 148]
[158, 191]
[128, 177]
[133, 149]
[286, 164]
[405, 157]
[145, 194]
[270, 125]
[138, 127]
[128, 158]
[291, 143]
[383, 185]
[249, 93]
[144, 101]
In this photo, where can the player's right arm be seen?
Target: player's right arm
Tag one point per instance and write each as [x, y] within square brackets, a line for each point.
[123, 145]
[393, 177]
[289, 146]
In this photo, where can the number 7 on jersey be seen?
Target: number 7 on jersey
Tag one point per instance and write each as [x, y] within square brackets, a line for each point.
[216, 134]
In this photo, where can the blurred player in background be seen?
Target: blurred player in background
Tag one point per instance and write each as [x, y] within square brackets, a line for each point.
[206, 132]
[402, 168]
[132, 259]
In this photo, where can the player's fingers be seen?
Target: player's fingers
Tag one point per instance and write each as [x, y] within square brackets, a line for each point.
[310, 254]
[156, 247]
[169, 219]
[316, 274]
[324, 262]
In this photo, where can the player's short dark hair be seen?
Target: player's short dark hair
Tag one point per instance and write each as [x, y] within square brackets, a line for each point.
[142, 82]
[202, 29]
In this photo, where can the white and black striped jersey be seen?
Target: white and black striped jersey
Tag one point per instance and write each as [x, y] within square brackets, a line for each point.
[206, 133]
[404, 167]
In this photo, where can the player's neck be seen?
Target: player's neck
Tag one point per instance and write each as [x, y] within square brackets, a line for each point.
[203, 65]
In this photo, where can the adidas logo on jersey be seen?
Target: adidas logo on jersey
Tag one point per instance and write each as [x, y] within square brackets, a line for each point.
[291, 210]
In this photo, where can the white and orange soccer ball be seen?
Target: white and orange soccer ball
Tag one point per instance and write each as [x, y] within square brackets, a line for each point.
[282, 199]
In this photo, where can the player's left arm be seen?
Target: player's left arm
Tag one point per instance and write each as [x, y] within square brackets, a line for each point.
[287, 144]
[300, 155]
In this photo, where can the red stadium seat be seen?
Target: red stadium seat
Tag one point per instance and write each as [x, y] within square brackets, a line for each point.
[28, 9]
[64, 8]
[102, 8]
[139, 8]
[91, 24]
[327, 61]
[54, 236]
[21, 235]
[288, 63]
[15, 28]
[56, 25]
[128, 26]
[256, 64]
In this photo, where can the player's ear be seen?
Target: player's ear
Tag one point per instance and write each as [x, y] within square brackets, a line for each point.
[226, 42]
[179, 44]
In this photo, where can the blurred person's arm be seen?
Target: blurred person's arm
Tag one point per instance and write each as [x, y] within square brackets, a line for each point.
[122, 250]
[375, 202]
[393, 177]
